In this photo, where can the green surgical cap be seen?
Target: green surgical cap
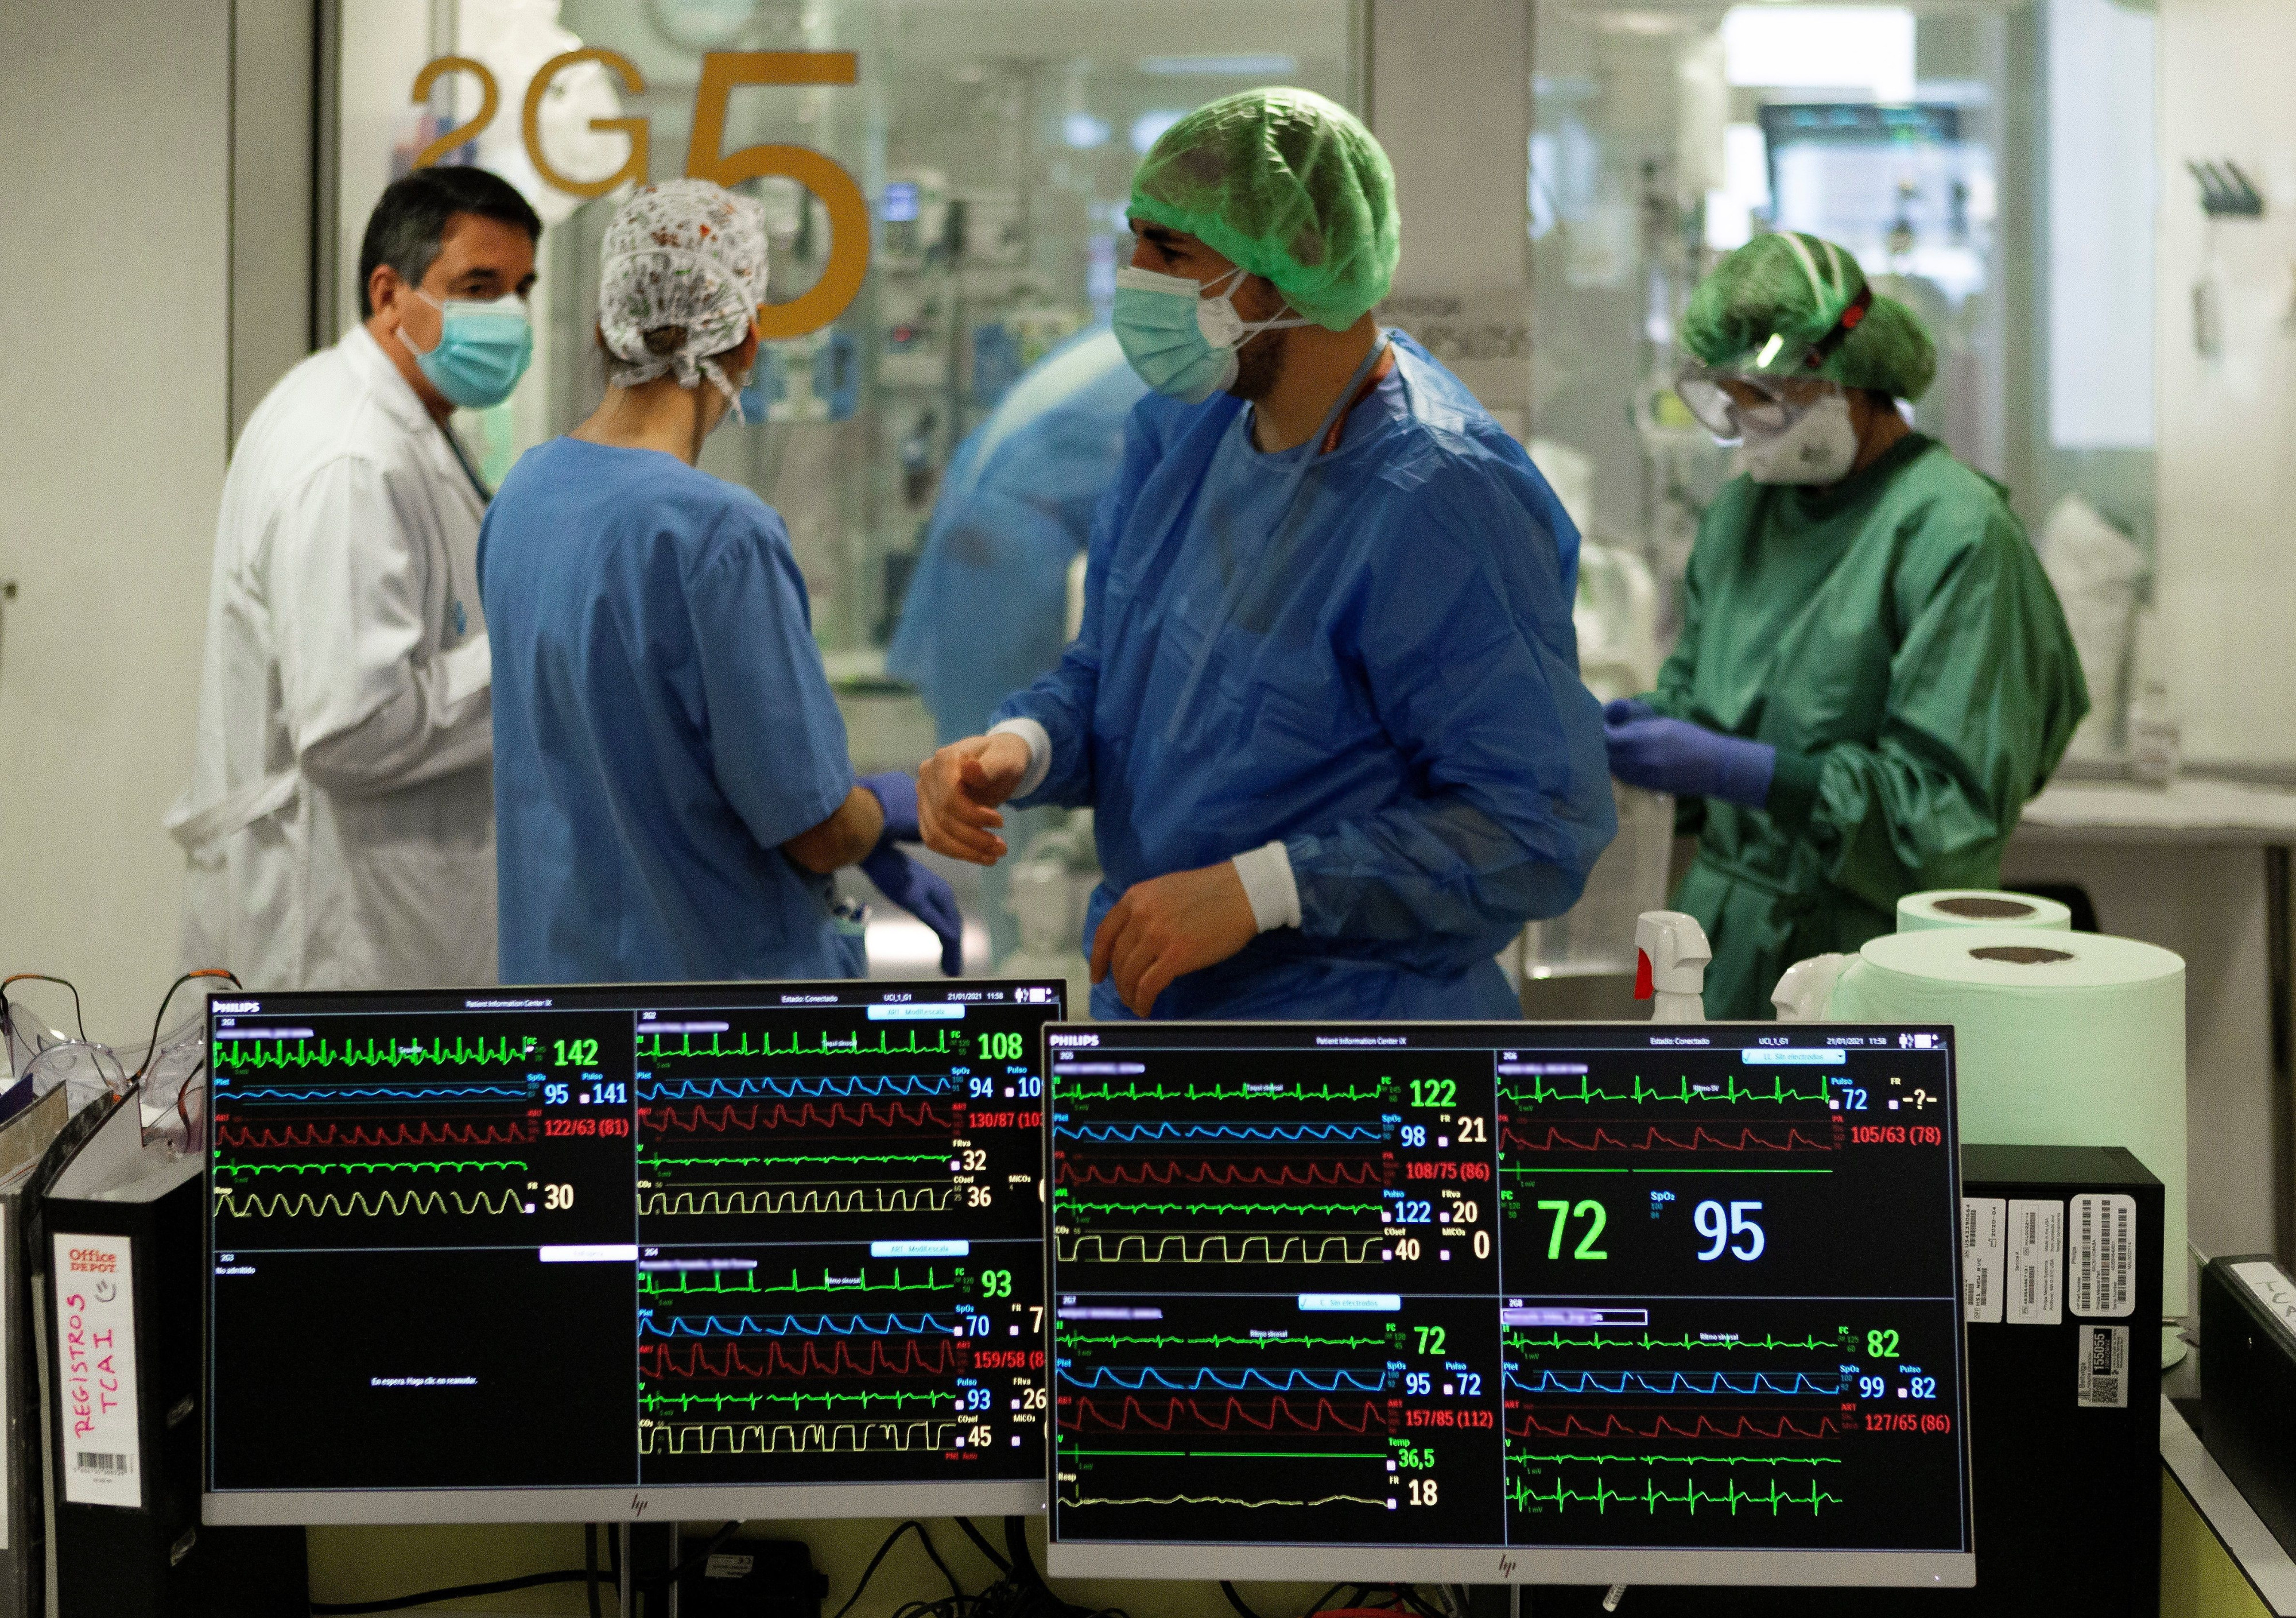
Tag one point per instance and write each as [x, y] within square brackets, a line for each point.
[1288, 186]
[1796, 288]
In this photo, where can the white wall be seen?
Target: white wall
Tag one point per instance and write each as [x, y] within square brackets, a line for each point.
[2227, 474]
[112, 430]
[2103, 186]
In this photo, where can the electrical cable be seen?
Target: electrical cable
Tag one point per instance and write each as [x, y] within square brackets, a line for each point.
[590, 1567]
[1242, 1607]
[151, 1050]
[1003, 1563]
[499, 1587]
[663, 1581]
[925, 1538]
[78, 1020]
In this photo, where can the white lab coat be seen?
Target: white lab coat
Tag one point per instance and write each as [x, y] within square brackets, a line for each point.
[340, 822]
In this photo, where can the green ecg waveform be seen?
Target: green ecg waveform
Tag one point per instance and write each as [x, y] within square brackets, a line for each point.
[1271, 1091]
[661, 1047]
[299, 1204]
[653, 1284]
[1199, 1208]
[866, 1199]
[236, 1054]
[1220, 1249]
[1766, 1342]
[449, 1166]
[719, 1403]
[1649, 1497]
[1073, 1339]
[1730, 1090]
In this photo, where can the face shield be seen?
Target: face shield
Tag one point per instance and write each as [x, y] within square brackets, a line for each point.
[1764, 390]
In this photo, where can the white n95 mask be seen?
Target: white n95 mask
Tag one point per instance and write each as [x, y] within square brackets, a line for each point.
[1816, 446]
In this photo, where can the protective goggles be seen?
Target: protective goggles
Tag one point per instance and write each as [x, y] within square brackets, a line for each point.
[1757, 395]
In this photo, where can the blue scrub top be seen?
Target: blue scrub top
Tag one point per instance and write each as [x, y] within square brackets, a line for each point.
[662, 726]
[988, 611]
[1366, 655]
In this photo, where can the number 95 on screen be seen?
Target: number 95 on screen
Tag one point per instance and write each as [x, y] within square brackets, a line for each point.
[1720, 1233]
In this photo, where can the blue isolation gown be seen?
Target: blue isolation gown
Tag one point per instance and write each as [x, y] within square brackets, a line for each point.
[1367, 654]
[987, 610]
[662, 726]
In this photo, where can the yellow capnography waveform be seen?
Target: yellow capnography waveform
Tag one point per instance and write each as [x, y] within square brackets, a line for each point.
[233, 1204]
[1220, 1249]
[869, 1199]
[793, 1437]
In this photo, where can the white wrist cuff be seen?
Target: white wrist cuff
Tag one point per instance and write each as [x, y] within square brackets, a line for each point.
[470, 667]
[1040, 752]
[1268, 883]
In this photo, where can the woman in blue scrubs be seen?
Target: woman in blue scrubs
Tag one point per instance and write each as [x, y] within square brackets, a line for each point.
[671, 785]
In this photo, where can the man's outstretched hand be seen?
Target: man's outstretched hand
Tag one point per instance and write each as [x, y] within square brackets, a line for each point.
[1169, 927]
[958, 791]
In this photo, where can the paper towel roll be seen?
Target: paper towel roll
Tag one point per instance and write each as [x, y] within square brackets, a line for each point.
[2062, 1039]
[1980, 907]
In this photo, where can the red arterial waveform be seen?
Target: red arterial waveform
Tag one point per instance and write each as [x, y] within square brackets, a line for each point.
[1209, 1172]
[1656, 1138]
[1189, 1416]
[1639, 1423]
[910, 1358]
[504, 1134]
[754, 1116]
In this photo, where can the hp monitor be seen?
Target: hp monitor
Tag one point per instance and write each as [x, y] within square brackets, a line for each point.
[1567, 1303]
[606, 1253]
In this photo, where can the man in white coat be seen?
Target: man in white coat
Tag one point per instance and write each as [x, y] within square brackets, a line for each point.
[340, 822]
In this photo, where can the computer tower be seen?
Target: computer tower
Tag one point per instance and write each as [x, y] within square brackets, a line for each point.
[2061, 1282]
[2248, 1383]
[121, 1238]
[28, 1144]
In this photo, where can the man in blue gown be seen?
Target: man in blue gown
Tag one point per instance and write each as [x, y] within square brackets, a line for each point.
[1326, 700]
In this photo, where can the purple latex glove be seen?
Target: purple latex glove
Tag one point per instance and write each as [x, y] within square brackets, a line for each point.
[898, 793]
[925, 895]
[1689, 760]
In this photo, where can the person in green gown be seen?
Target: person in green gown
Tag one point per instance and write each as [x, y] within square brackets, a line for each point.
[1874, 674]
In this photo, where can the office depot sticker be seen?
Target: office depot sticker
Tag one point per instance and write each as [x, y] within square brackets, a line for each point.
[95, 1371]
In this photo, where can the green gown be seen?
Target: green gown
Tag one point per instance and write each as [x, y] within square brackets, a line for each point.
[1894, 637]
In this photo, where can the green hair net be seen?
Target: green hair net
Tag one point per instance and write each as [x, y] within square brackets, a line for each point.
[1286, 184]
[1796, 288]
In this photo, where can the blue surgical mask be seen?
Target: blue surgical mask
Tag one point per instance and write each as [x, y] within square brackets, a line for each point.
[1181, 335]
[483, 349]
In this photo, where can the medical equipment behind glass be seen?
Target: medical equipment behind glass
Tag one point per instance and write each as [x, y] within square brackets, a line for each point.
[614, 1252]
[1568, 1304]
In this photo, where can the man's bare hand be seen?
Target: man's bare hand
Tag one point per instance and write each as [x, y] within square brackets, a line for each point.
[1171, 925]
[958, 791]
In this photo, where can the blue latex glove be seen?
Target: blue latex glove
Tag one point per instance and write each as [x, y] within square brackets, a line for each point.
[925, 895]
[1689, 760]
[898, 793]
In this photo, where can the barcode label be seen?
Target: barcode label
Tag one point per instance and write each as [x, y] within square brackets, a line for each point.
[96, 1460]
[2035, 1295]
[2104, 1240]
[2101, 1377]
[1983, 1227]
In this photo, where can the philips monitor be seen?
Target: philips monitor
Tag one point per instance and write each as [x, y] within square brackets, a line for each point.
[1571, 1303]
[612, 1252]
